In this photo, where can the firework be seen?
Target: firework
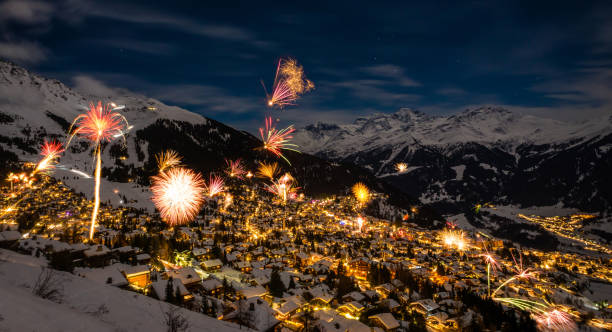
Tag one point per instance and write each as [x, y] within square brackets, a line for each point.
[267, 170]
[178, 195]
[227, 201]
[554, 320]
[289, 84]
[168, 159]
[215, 186]
[491, 263]
[99, 124]
[451, 224]
[361, 193]
[360, 222]
[401, 167]
[50, 151]
[235, 168]
[275, 140]
[283, 188]
[454, 239]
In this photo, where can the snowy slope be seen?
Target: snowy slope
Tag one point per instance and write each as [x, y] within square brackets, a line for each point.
[412, 129]
[479, 155]
[84, 306]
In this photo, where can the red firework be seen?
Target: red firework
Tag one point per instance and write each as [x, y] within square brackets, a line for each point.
[235, 168]
[275, 140]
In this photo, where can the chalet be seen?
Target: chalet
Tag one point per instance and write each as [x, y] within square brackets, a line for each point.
[188, 276]
[385, 321]
[8, 238]
[212, 286]
[243, 266]
[425, 307]
[97, 256]
[143, 259]
[212, 265]
[159, 289]
[138, 276]
[353, 308]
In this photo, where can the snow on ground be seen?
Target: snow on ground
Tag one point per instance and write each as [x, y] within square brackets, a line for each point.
[601, 291]
[85, 305]
[462, 222]
[511, 211]
[459, 171]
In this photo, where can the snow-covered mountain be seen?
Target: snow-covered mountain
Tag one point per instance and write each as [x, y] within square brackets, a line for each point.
[483, 154]
[34, 108]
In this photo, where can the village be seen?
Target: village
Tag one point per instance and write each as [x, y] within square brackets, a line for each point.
[302, 265]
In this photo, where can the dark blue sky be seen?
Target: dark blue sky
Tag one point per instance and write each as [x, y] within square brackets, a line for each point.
[548, 58]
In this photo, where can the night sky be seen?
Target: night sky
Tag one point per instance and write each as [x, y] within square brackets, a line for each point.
[553, 59]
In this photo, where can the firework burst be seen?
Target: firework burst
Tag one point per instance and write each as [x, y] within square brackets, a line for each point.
[289, 84]
[555, 320]
[168, 159]
[401, 167]
[178, 195]
[50, 151]
[452, 238]
[98, 125]
[275, 140]
[215, 186]
[268, 170]
[235, 168]
[284, 188]
[361, 193]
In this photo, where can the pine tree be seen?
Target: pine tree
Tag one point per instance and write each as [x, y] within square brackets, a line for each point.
[276, 284]
[169, 291]
[177, 296]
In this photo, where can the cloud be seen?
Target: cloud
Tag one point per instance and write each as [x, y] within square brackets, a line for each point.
[450, 92]
[207, 98]
[23, 52]
[88, 85]
[132, 14]
[24, 11]
[142, 46]
[391, 71]
[375, 90]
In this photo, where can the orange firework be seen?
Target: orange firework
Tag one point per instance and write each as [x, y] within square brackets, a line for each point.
[50, 151]
[361, 193]
[275, 140]
[235, 168]
[99, 124]
[215, 186]
[267, 170]
[289, 83]
[168, 159]
[178, 195]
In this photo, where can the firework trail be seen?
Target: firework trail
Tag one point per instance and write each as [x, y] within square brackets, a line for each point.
[168, 159]
[215, 186]
[275, 140]
[521, 273]
[491, 264]
[178, 195]
[289, 84]
[361, 193]
[283, 188]
[50, 151]
[99, 124]
[235, 168]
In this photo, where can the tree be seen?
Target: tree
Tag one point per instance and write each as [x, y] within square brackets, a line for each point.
[177, 296]
[169, 291]
[276, 284]
[175, 322]
[291, 283]
[62, 260]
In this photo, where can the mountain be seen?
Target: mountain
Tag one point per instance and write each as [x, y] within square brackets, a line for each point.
[481, 155]
[34, 108]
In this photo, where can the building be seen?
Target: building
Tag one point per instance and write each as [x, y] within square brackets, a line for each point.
[138, 276]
